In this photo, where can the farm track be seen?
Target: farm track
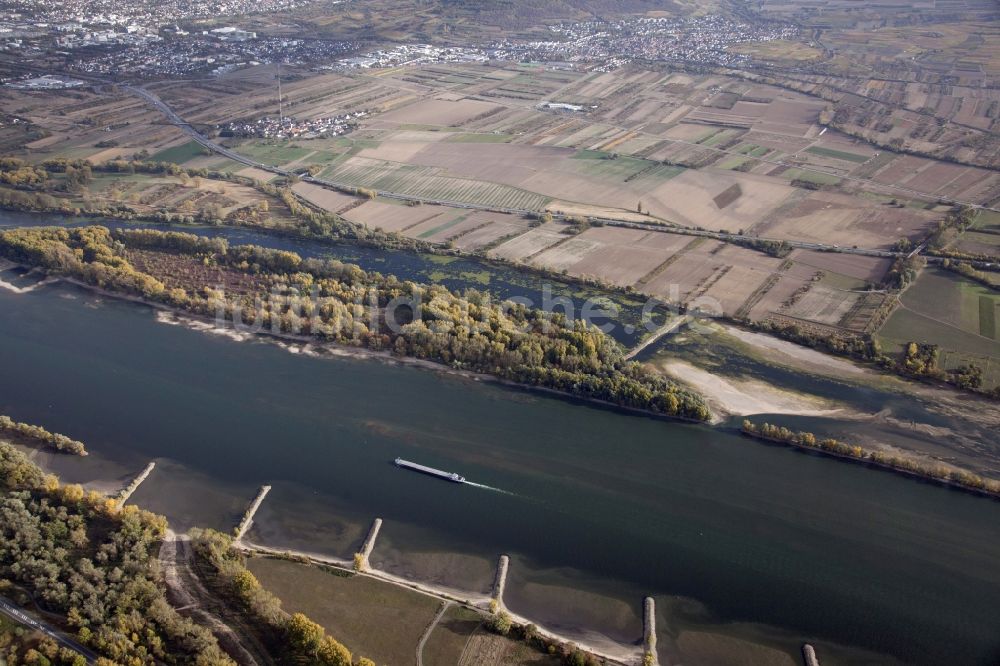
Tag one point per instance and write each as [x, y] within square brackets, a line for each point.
[189, 596]
[430, 629]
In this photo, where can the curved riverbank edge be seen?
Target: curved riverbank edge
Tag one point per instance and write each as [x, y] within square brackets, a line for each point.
[870, 458]
[347, 351]
[622, 656]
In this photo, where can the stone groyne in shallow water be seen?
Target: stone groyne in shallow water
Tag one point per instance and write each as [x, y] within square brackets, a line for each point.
[247, 521]
[125, 493]
[361, 562]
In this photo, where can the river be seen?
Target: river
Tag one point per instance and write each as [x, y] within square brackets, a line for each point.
[597, 509]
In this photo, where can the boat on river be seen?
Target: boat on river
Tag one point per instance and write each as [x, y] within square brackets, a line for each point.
[423, 469]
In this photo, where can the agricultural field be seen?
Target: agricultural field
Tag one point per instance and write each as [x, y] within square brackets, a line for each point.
[448, 641]
[961, 317]
[381, 621]
[460, 639]
[708, 151]
[431, 183]
[983, 238]
[385, 622]
[667, 148]
[83, 124]
[780, 51]
[180, 153]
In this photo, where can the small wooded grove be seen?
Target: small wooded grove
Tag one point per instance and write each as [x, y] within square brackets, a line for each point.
[78, 555]
[348, 305]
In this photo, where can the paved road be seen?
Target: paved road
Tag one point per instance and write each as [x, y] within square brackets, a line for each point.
[63, 639]
[651, 226]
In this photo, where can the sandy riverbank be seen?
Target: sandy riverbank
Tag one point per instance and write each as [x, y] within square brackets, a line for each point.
[785, 352]
[728, 396]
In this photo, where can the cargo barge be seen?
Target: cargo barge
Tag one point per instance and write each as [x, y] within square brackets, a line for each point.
[423, 469]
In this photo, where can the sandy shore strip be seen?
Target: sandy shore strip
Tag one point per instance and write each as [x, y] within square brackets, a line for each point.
[728, 396]
[23, 290]
[781, 351]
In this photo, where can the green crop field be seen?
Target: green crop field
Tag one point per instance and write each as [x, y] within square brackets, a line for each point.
[588, 154]
[733, 163]
[837, 154]
[180, 154]
[956, 314]
[442, 227]
[811, 176]
[717, 138]
[987, 220]
[753, 150]
[599, 164]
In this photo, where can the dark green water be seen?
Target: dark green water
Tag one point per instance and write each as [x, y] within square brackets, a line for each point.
[617, 505]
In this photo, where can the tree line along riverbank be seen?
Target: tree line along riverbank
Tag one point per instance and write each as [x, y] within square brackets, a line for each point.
[33, 434]
[947, 475]
[349, 306]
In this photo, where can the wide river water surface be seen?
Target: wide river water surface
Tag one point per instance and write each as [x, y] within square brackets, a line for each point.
[596, 508]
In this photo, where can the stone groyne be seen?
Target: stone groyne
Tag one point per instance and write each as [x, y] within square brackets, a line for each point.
[125, 493]
[244, 525]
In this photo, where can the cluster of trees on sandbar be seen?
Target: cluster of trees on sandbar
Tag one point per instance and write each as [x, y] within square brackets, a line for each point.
[33, 433]
[78, 555]
[342, 303]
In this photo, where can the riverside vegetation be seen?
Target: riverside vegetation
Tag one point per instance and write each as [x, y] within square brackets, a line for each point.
[19, 646]
[350, 306]
[39, 435]
[292, 639]
[916, 360]
[52, 185]
[82, 556]
[77, 554]
[949, 475]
